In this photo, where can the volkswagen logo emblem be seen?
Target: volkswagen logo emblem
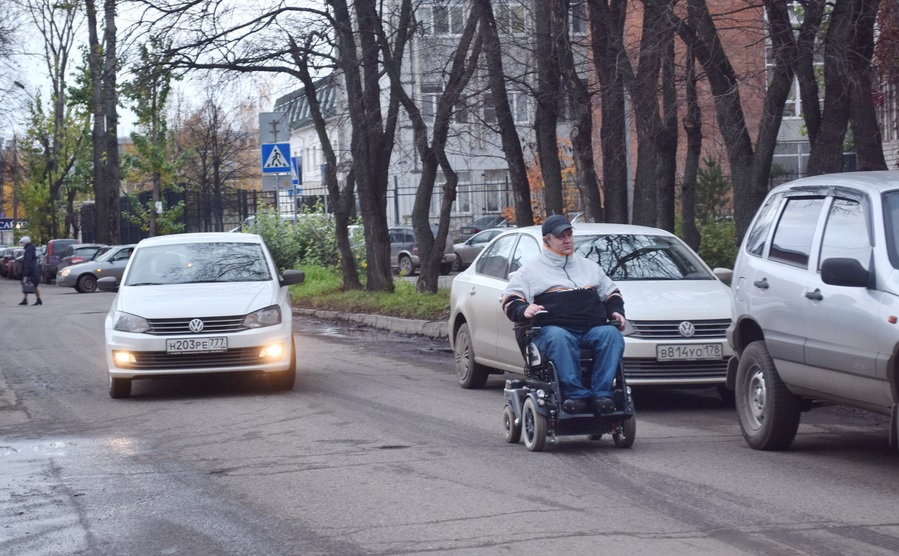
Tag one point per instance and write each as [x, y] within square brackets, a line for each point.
[685, 328]
[196, 325]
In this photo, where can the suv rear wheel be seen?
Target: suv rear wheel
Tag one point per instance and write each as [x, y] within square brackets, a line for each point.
[768, 411]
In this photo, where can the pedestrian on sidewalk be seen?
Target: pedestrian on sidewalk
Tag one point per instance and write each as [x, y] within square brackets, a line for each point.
[31, 272]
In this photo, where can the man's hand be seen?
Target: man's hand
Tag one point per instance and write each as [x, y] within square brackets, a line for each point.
[532, 310]
[620, 318]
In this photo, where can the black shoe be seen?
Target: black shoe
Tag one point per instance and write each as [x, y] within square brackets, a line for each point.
[23, 302]
[38, 302]
[575, 406]
[602, 404]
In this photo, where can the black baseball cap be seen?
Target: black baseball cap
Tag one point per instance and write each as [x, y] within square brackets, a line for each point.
[556, 224]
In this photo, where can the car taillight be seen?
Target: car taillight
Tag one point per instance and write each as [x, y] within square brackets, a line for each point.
[77, 259]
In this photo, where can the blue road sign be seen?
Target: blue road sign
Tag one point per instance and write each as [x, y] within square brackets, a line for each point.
[276, 158]
[12, 224]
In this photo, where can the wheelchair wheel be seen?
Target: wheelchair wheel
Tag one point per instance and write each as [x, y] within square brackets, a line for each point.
[511, 431]
[534, 427]
[628, 432]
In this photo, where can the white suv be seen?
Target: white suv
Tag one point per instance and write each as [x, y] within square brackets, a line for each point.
[816, 304]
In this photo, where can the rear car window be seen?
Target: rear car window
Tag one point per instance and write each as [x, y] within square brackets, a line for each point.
[792, 243]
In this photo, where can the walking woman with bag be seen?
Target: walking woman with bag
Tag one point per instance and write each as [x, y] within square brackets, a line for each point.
[31, 272]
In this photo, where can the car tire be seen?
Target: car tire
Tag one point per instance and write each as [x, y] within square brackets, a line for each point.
[285, 380]
[86, 284]
[533, 426]
[511, 430]
[471, 375]
[406, 268]
[47, 279]
[119, 387]
[457, 264]
[625, 437]
[445, 268]
[768, 411]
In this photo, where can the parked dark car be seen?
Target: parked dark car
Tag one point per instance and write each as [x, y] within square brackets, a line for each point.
[78, 253]
[483, 223]
[6, 255]
[404, 251]
[14, 264]
[50, 260]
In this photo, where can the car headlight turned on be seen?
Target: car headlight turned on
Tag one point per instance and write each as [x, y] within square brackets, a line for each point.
[273, 351]
[269, 316]
[126, 322]
[65, 272]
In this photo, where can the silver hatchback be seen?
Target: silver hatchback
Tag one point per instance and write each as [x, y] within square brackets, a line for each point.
[816, 304]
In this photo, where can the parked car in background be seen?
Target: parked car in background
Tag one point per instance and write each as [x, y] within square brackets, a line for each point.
[50, 260]
[678, 309]
[83, 276]
[483, 223]
[467, 250]
[404, 256]
[15, 263]
[816, 305]
[199, 304]
[6, 255]
[78, 253]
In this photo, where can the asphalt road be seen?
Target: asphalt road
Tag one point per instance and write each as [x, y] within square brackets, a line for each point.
[378, 451]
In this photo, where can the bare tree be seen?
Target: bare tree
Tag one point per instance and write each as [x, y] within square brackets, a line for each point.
[581, 103]
[524, 214]
[433, 153]
[548, 96]
[58, 127]
[103, 64]
[215, 156]
[607, 30]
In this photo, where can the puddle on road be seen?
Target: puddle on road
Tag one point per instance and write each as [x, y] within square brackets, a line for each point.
[48, 448]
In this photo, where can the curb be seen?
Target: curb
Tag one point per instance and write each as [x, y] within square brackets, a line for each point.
[431, 329]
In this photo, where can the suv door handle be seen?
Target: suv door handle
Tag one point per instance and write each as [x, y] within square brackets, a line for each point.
[763, 283]
[815, 295]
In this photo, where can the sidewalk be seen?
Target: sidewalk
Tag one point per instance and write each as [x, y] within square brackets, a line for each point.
[431, 329]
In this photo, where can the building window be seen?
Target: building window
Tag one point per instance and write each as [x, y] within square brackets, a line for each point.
[579, 18]
[462, 205]
[518, 103]
[510, 19]
[790, 160]
[437, 20]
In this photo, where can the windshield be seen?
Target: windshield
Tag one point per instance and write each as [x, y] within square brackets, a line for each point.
[642, 257]
[191, 263]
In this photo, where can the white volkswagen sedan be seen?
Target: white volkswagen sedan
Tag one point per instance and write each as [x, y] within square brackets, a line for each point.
[200, 303]
[678, 308]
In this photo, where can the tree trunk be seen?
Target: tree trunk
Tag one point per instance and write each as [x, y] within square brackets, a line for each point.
[342, 201]
[607, 28]
[370, 144]
[546, 120]
[524, 215]
[863, 114]
[693, 129]
[102, 63]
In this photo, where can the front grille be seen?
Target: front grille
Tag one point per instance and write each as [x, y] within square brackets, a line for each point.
[668, 330]
[651, 369]
[160, 360]
[211, 325]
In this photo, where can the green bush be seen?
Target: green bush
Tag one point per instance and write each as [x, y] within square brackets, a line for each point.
[279, 236]
[717, 246]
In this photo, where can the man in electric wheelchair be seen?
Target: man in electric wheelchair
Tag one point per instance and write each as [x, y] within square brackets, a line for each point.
[575, 300]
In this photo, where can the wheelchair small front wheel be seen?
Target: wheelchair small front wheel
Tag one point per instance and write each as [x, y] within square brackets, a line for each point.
[533, 426]
[511, 430]
[625, 435]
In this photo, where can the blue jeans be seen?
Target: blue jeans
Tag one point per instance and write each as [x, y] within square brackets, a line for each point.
[563, 348]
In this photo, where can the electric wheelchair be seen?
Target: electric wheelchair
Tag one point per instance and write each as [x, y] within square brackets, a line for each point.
[534, 405]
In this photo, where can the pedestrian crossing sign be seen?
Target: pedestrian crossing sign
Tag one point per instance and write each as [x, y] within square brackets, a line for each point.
[276, 158]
